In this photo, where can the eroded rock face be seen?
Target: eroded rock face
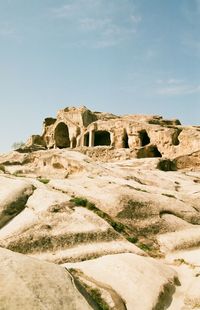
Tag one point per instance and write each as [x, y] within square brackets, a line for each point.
[27, 283]
[142, 282]
[66, 207]
[140, 136]
[13, 197]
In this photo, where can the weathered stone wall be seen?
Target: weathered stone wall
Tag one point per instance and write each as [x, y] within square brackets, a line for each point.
[148, 136]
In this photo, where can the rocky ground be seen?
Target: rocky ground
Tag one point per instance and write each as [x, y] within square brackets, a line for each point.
[124, 233]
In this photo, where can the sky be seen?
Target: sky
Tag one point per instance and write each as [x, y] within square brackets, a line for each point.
[119, 56]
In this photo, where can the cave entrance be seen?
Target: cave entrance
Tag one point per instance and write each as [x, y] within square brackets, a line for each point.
[125, 141]
[86, 139]
[155, 152]
[144, 138]
[102, 137]
[148, 152]
[61, 136]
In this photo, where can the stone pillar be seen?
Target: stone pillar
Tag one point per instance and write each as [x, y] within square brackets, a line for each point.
[91, 138]
[78, 141]
[112, 139]
[82, 140]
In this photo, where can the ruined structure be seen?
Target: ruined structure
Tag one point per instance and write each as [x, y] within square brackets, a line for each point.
[144, 136]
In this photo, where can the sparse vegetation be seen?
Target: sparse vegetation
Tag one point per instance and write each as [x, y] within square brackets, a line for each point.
[93, 292]
[43, 180]
[2, 168]
[96, 296]
[18, 145]
[134, 210]
[144, 247]
[132, 239]
[83, 202]
[167, 165]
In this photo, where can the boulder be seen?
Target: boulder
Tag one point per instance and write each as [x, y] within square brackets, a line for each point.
[27, 283]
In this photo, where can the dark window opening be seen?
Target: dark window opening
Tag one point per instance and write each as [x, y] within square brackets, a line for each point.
[102, 138]
[86, 139]
[61, 136]
[144, 138]
[125, 141]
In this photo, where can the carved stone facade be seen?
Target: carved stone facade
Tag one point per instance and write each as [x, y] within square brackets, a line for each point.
[149, 136]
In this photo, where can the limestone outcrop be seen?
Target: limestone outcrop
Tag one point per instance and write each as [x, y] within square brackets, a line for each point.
[27, 283]
[115, 201]
[139, 136]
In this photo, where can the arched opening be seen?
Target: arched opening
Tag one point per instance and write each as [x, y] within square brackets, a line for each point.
[61, 136]
[102, 137]
[144, 138]
[86, 139]
[148, 152]
[125, 141]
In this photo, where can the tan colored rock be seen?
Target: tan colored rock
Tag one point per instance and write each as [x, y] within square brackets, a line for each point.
[141, 282]
[138, 135]
[183, 239]
[27, 283]
[192, 297]
[14, 194]
[159, 209]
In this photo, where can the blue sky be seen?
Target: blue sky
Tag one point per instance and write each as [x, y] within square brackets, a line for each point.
[120, 56]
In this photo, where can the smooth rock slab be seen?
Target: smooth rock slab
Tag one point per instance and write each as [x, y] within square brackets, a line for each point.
[192, 297]
[142, 282]
[27, 283]
[14, 194]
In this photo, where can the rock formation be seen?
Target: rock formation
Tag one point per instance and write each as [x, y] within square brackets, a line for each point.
[115, 202]
[144, 136]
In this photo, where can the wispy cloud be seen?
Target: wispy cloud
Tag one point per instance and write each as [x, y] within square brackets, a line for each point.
[92, 24]
[98, 23]
[64, 11]
[7, 30]
[176, 87]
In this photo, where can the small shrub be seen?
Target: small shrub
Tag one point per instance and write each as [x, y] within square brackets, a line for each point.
[2, 168]
[119, 227]
[132, 239]
[96, 296]
[144, 247]
[79, 201]
[83, 202]
[94, 293]
[43, 180]
[167, 165]
[18, 145]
